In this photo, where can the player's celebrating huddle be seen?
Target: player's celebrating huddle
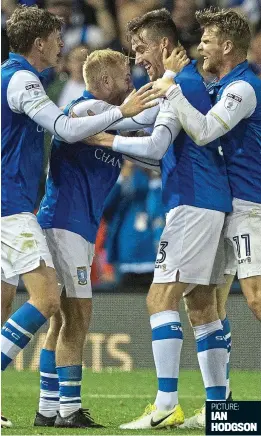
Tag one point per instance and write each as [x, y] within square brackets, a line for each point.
[212, 198]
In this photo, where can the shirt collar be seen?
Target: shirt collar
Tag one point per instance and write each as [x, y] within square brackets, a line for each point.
[234, 73]
[19, 58]
[88, 94]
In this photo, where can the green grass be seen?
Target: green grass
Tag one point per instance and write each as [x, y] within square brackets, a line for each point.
[113, 398]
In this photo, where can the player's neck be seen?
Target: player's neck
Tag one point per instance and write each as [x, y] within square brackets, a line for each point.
[36, 62]
[97, 94]
[229, 66]
[100, 94]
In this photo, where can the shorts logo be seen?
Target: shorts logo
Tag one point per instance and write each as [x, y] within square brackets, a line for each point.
[232, 101]
[82, 275]
[162, 266]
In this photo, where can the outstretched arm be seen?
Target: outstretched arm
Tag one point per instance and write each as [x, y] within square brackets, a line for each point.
[238, 101]
[167, 127]
[145, 119]
[25, 94]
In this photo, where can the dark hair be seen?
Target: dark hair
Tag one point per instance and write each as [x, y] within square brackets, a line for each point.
[229, 23]
[28, 23]
[158, 21]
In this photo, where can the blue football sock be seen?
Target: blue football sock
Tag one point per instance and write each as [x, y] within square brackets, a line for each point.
[18, 331]
[70, 378]
[49, 384]
[212, 358]
[167, 341]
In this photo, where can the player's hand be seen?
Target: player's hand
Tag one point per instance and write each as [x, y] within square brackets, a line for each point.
[138, 101]
[161, 86]
[177, 60]
[104, 139]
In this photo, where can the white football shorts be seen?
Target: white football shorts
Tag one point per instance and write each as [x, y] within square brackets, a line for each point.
[23, 246]
[243, 239]
[72, 257]
[191, 248]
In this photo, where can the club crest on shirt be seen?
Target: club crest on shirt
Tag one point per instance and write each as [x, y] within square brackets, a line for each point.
[82, 275]
[232, 101]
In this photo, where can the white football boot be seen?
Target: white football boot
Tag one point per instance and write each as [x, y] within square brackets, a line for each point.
[196, 421]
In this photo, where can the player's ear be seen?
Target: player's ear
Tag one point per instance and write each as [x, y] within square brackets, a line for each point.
[165, 44]
[106, 81]
[38, 43]
[227, 46]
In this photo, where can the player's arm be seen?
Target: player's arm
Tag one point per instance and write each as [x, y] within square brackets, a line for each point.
[25, 94]
[167, 127]
[145, 119]
[150, 164]
[90, 107]
[238, 101]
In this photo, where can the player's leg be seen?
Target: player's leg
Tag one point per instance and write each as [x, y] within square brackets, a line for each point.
[180, 262]
[222, 292]
[8, 291]
[163, 306]
[25, 252]
[201, 306]
[251, 287]
[49, 402]
[167, 337]
[223, 263]
[72, 256]
[243, 231]
[76, 314]
[211, 344]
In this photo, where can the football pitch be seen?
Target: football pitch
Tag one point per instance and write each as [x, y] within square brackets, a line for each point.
[113, 398]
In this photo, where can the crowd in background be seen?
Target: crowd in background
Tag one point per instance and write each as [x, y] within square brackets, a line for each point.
[134, 217]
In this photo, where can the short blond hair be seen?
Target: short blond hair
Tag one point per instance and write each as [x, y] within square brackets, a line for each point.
[229, 23]
[99, 63]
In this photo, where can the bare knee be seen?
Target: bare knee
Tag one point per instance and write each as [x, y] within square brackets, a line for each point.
[164, 296]
[51, 304]
[222, 292]
[53, 330]
[201, 305]
[76, 315]
[43, 289]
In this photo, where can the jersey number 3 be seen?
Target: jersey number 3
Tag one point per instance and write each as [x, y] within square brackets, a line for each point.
[162, 252]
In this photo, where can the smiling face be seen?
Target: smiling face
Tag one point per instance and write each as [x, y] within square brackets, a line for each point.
[121, 85]
[213, 50]
[148, 53]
